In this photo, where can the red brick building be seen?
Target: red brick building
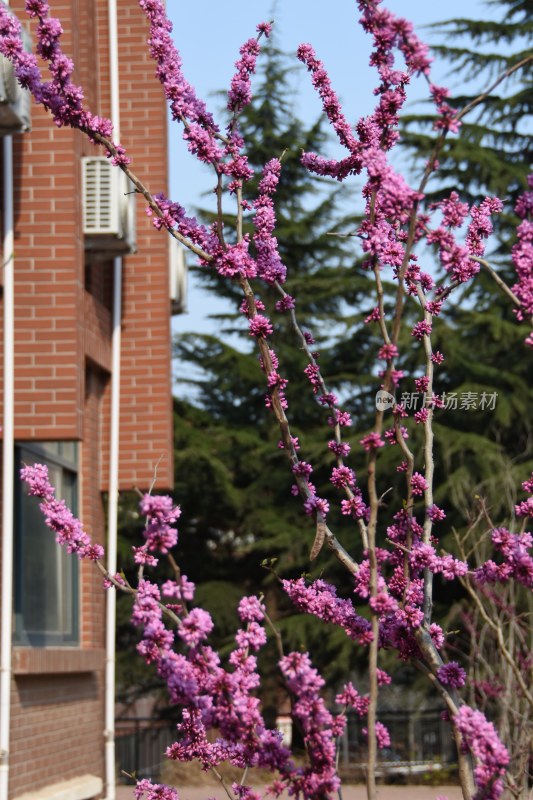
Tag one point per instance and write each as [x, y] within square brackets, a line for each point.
[64, 287]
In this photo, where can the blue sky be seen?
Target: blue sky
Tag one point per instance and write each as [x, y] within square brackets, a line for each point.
[208, 36]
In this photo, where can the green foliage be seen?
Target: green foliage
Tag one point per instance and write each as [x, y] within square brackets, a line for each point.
[478, 333]
[232, 437]
[494, 151]
[232, 481]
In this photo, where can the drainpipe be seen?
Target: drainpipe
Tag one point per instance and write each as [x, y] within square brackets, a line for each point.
[109, 732]
[112, 512]
[7, 471]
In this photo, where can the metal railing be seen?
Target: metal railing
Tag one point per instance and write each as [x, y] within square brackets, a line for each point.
[140, 744]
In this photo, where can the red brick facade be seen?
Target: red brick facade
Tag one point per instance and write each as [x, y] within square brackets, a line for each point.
[63, 363]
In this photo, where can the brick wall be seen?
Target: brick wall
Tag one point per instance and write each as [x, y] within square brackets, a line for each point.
[146, 435]
[53, 330]
[56, 729]
[63, 362]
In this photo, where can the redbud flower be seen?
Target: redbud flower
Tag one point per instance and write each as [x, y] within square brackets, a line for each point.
[372, 441]
[435, 513]
[146, 790]
[342, 477]
[421, 329]
[387, 352]
[452, 674]
[422, 383]
[421, 416]
[264, 28]
[341, 449]
[490, 755]
[418, 484]
[260, 326]
[286, 303]
[195, 627]
[527, 486]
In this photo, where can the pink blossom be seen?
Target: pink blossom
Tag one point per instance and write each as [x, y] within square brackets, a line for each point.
[341, 449]
[251, 609]
[387, 352]
[418, 484]
[39, 485]
[527, 485]
[421, 329]
[240, 93]
[384, 679]
[354, 506]
[287, 303]
[195, 627]
[452, 674]
[454, 212]
[491, 757]
[435, 513]
[182, 589]
[382, 735]
[342, 476]
[260, 326]
[372, 441]
[320, 599]
[146, 790]
[265, 28]
[58, 517]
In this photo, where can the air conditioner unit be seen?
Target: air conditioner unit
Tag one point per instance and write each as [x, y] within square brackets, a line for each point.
[108, 208]
[178, 278]
[15, 103]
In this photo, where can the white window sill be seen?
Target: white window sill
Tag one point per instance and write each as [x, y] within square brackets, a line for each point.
[83, 788]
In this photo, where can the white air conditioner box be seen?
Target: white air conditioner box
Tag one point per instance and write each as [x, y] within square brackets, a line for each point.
[178, 278]
[108, 207]
[15, 103]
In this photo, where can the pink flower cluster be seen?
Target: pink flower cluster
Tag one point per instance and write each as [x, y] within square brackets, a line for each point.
[318, 725]
[456, 258]
[146, 790]
[221, 713]
[184, 104]
[62, 97]
[320, 599]
[452, 674]
[269, 265]
[240, 93]
[350, 698]
[517, 561]
[490, 755]
[59, 518]
[522, 254]
[160, 536]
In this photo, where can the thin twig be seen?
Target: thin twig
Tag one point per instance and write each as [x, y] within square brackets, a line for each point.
[505, 74]
[277, 634]
[501, 283]
[217, 774]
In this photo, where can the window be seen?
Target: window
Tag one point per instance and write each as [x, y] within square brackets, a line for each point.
[46, 576]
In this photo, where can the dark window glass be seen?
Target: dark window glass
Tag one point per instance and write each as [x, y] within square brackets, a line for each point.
[46, 576]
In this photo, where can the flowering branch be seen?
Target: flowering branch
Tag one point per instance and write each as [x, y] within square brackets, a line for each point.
[396, 583]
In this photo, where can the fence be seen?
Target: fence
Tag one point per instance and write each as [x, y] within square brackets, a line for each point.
[421, 742]
[140, 745]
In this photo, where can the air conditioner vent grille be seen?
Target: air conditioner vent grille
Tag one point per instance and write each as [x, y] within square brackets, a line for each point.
[99, 212]
[108, 208]
[9, 88]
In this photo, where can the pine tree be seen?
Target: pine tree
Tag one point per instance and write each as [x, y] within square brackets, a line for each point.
[325, 282]
[491, 155]
[494, 151]
[486, 454]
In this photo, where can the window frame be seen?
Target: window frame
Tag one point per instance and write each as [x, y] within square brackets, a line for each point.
[67, 634]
